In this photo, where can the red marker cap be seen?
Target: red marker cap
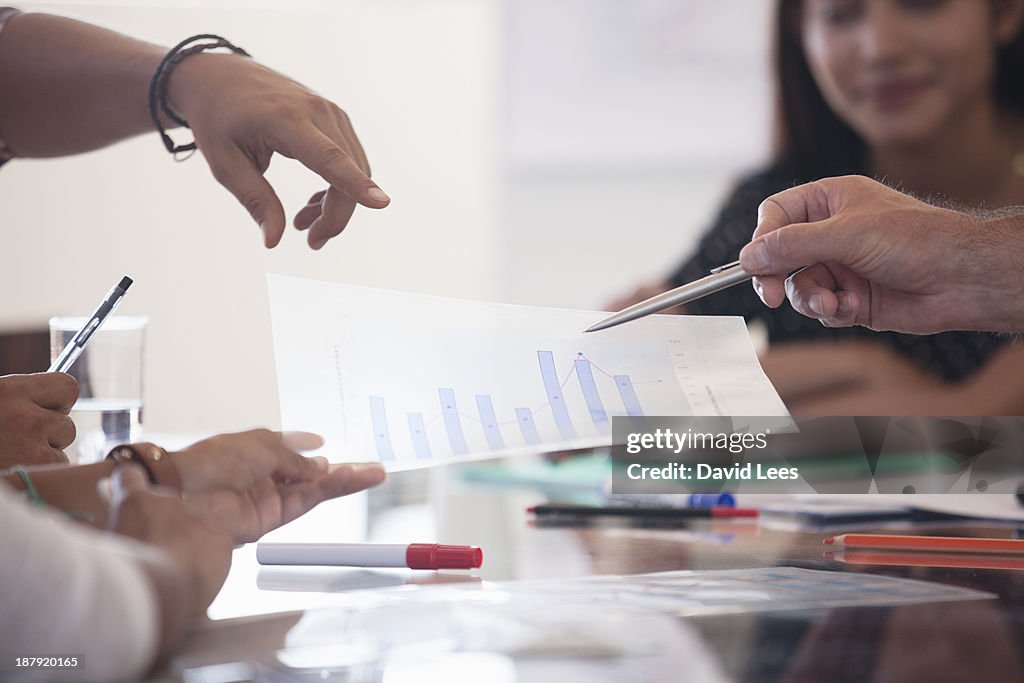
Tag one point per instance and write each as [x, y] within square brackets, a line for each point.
[440, 556]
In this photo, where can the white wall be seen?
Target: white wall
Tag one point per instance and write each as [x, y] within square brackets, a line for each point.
[417, 80]
[539, 151]
[624, 122]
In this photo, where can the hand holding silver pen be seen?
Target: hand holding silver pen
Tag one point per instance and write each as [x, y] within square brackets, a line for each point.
[719, 279]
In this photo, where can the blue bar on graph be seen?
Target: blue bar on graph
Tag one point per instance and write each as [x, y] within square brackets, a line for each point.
[628, 394]
[489, 422]
[554, 392]
[418, 433]
[524, 416]
[452, 423]
[381, 436]
[585, 374]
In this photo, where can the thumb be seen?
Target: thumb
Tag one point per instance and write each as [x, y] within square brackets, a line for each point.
[239, 175]
[793, 247]
[125, 480]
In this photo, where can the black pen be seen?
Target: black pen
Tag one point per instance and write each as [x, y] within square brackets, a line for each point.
[625, 511]
[75, 347]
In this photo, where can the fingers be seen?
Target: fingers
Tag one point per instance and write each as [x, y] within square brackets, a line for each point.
[337, 210]
[51, 390]
[780, 252]
[802, 204]
[348, 478]
[298, 499]
[332, 162]
[849, 310]
[310, 212]
[816, 293]
[776, 247]
[239, 174]
[275, 455]
[34, 422]
[263, 454]
[283, 461]
[60, 431]
[332, 213]
[771, 215]
[344, 128]
[242, 460]
[771, 289]
[302, 441]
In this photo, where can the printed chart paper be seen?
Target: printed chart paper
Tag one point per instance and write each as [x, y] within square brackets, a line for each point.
[415, 380]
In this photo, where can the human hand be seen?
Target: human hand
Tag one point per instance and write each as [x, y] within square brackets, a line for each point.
[875, 257]
[34, 422]
[857, 378]
[252, 482]
[642, 293]
[241, 113]
[199, 553]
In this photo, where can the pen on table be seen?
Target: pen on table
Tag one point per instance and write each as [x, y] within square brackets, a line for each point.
[927, 543]
[77, 344]
[929, 559]
[719, 279]
[631, 511]
[413, 555]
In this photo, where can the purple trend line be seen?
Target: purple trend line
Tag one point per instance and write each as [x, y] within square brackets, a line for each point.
[594, 365]
[568, 377]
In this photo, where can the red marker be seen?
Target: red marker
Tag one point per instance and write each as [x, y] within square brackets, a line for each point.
[413, 556]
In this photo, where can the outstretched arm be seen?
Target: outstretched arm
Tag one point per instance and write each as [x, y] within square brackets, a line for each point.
[247, 483]
[71, 87]
[869, 255]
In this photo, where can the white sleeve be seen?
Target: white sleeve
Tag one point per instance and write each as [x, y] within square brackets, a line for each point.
[71, 590]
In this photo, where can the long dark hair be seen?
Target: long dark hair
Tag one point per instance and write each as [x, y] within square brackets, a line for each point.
[809, 138]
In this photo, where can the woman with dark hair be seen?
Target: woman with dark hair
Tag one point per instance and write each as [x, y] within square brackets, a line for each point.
[927, 95]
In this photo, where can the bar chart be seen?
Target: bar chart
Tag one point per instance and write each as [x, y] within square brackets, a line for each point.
[521, 423]
[413, 380]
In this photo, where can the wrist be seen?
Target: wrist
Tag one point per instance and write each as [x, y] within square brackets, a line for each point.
[185, 84]
[158, 463]
[997, 250]
[161, 101]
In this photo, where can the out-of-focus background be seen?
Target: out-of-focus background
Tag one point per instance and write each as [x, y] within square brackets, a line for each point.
[549, 152]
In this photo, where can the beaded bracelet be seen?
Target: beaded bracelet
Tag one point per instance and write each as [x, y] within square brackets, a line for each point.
[158, 86]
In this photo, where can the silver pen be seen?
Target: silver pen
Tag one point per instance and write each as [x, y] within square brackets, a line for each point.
[720, 278]
[74, 349]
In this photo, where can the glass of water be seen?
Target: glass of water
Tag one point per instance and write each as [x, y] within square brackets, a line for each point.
[109, 375]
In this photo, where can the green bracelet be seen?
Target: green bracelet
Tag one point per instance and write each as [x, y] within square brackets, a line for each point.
[30, 488]
[32, 493]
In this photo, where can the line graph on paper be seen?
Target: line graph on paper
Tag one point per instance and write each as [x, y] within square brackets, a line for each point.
[581, 400]
[413, 380]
